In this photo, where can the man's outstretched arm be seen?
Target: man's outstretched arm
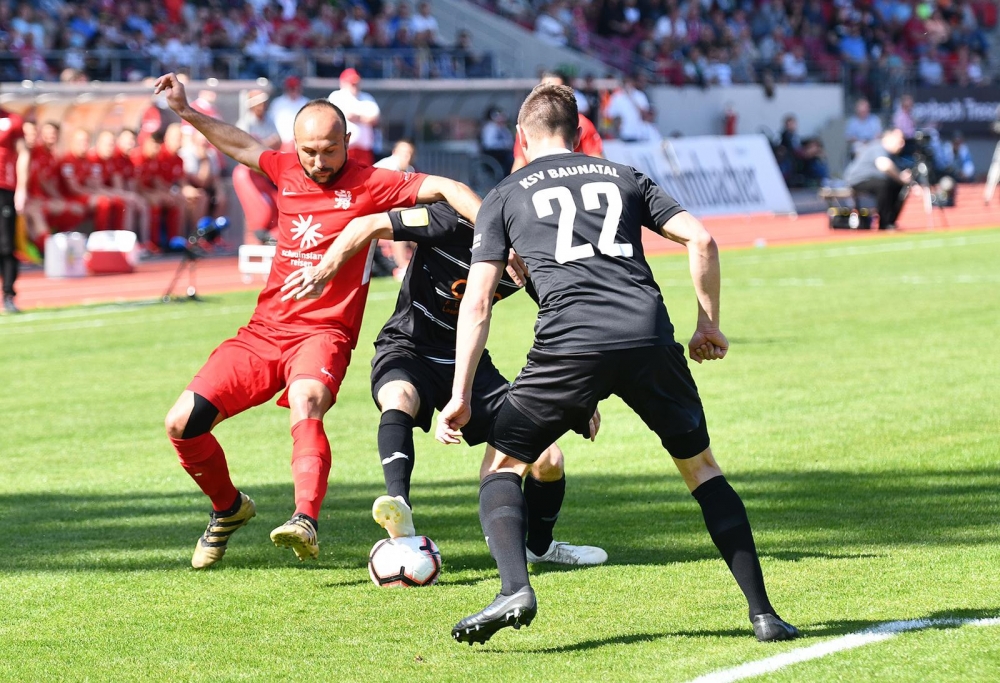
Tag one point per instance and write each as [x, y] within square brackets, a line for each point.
[233, 142]
[436, 188]
[473, 329]
[358, 234]
[708, 342]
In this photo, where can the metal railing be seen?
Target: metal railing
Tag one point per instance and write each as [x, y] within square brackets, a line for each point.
[124, 65]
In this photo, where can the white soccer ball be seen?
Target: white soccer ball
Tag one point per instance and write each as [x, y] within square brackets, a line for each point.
[405, 561]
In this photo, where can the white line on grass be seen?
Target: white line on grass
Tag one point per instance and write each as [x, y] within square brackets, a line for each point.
[829, 647]
[45, 319]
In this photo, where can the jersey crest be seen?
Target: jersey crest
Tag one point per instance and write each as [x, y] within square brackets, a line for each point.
[342, 199]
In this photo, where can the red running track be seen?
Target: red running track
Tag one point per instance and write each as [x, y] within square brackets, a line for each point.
[217, 275]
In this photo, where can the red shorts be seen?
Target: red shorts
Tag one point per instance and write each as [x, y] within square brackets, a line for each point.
[249, 369]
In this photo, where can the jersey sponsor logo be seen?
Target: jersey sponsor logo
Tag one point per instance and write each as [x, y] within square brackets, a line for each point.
[286, 193]
[306, 232]
[342, 199]
[395, 456]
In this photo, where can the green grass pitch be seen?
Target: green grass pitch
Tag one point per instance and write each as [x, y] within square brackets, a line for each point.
[858, 414]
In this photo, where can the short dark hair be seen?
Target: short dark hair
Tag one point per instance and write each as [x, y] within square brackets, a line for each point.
[321, 104]
[550, 110]
[562, 74]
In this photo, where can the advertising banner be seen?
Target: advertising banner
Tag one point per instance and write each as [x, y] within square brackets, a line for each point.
[711, 175]
[971, 111]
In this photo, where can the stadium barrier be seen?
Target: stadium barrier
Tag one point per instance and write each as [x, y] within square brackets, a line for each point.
[711, 175]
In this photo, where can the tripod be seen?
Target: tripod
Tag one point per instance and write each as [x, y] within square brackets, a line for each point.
[189, 262]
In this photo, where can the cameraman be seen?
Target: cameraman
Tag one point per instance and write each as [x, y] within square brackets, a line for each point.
[875, 171]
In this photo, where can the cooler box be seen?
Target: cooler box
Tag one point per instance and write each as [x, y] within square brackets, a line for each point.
[64, 252]
[255, 259]
[112, 251]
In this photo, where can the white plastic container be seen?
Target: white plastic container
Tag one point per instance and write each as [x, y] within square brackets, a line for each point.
[112, 251]
[64, 255]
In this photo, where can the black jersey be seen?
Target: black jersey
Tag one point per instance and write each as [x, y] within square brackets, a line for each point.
[426, 312]
[576, 221]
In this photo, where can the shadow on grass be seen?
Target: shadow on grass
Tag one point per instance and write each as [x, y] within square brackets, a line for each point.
[809, 631]
[639, 520]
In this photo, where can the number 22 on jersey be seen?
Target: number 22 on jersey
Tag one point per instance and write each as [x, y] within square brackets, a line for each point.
[566, 222]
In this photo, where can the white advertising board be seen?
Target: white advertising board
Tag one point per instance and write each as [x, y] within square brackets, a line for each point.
[711, 175]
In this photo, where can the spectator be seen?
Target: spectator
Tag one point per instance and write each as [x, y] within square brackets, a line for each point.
[357, 25]
[550, 30]
[496, 139]
[256, 122]
[629, 111]
[876, 171]
[903, 118]
[793, 64]
[930, 69]
[179, 180]
[954, 159]
[401, 159]
[284, 108]
[107, 178]
[424, 27]
[862, 127]
[202, 173]
[362, 113]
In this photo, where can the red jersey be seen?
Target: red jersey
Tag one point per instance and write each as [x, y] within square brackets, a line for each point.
[43, 169]
[11, 130]
[121, 165]
[171, 167]
[77, 168]
[310, 216]
[145, 170]
[101, 169]
[590, 142]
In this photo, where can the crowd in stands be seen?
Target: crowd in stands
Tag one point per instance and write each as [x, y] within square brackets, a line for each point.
[718, 42]
[39, 39]
[159, 185]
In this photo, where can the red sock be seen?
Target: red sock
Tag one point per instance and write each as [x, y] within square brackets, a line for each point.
[310, 465]
[203, 459]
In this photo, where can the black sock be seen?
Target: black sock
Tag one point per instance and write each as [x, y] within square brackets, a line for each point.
[502, 513]
[544, 500]
[727, 523]
[395, 450]
[232, 509]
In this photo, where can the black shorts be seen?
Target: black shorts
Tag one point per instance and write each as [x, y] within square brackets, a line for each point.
[433, 382]
[558, 392]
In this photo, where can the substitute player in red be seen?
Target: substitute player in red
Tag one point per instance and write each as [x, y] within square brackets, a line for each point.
[14, 160]
[298, 347]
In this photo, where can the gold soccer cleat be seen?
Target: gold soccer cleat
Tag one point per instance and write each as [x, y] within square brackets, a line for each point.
[212, 544]
[299, 534]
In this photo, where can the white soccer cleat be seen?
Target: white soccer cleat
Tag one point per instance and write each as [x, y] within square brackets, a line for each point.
[560, 552]
[393, 515]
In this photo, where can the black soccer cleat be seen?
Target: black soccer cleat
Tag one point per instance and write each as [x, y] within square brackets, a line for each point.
[769, 628]
[515, 610]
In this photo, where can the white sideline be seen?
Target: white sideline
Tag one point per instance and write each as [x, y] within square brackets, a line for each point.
[847, 642]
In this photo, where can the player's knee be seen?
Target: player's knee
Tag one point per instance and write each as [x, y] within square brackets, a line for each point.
[549, 466]
[176, 421]
[308, 400]
[399, 396]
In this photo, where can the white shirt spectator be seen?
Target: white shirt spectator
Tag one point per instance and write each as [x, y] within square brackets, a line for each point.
[261, 129]
[362, 134]
[282, 114]
[931, 71]
[667, 27]
[794, 67]
[719, 73]
[975, 71]
[425, 23]
[358, 30]
[549, 30]
[628, 105]
[582, 105]
[390, 163]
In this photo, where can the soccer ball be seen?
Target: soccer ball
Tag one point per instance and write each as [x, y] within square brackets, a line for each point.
[405, 561]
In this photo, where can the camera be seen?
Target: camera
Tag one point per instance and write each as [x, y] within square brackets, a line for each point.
[924, 171]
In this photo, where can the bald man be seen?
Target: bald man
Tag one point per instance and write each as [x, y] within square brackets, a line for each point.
[299, 348]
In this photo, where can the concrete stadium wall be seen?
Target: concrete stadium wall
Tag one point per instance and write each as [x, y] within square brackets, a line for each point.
[697, 111]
